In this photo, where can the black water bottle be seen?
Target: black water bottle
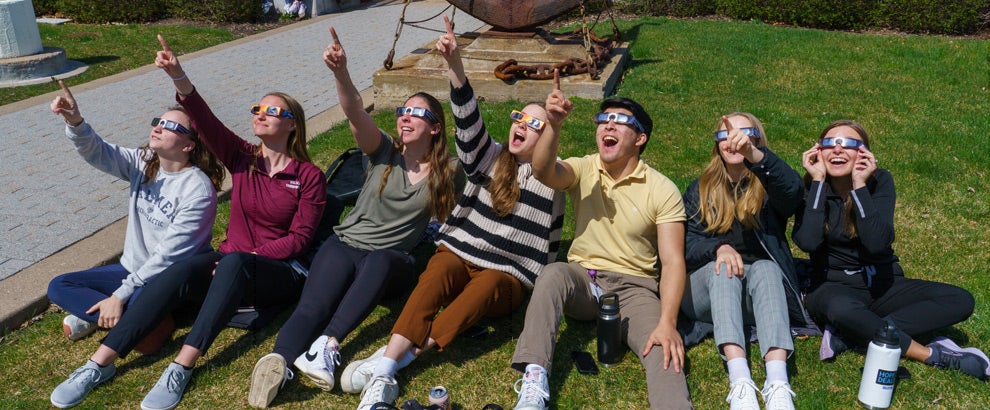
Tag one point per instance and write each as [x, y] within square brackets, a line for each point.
[610, 346]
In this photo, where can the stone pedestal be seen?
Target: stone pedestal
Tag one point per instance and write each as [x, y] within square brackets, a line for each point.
[426, 70]
[23, 60]
[18, 32]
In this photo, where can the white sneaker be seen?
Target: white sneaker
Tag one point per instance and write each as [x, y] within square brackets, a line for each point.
[380, 389]
[269, 375]
[742, 395]
[319, 362]
[76, 328]
[533, 389]
[778, 396]
[358, 373]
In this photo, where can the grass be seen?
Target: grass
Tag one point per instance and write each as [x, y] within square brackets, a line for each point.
[111, 49]
[924, 99]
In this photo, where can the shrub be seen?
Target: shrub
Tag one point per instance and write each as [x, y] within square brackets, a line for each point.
[832, 14]
[217, 11]
[45, 7]
[934, 16]
[106, 11]
[914, 16]
[676, 8]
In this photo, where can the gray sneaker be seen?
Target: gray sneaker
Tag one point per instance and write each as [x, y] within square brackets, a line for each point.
[74, 389]
[533, 389]
[168, 391]
[269, 375]
[381, 389]
[947, 354]
[357, 374]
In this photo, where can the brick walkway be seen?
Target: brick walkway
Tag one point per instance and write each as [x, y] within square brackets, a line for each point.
[50, 198]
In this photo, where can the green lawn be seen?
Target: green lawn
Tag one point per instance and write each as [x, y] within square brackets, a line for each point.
[924, 99]
[110, 49]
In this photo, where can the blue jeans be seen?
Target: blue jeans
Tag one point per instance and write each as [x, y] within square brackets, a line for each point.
[76, 292]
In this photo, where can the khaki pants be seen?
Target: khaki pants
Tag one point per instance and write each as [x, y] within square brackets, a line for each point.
[565, 288]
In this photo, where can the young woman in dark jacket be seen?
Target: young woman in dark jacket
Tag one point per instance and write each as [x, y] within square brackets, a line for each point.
[737, 253]
[847, 225]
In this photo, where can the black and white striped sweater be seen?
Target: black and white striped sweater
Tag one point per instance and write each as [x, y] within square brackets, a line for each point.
[523, 241]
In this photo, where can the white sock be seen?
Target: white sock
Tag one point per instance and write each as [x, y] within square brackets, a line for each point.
[776, 371]
[405, 360]
[738, 369]
[385, 367]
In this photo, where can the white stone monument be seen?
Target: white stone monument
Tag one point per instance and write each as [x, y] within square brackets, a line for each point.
[23, 60]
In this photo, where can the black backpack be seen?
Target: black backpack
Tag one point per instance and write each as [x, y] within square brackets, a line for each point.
[344, 178]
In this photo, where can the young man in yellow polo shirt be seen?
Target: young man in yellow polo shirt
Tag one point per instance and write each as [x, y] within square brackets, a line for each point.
[627, 216]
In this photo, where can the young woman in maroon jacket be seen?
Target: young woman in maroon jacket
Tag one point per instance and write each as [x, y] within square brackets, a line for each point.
[276, 204]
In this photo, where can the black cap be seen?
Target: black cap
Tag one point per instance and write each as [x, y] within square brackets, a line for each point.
[633, 107]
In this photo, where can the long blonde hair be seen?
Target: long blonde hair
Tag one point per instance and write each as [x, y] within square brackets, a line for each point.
[441, 179]
[718, 195]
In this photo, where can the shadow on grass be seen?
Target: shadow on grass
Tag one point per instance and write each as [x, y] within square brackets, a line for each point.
[94, 60]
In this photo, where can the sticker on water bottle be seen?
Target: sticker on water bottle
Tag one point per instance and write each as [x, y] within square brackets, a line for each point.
[886, 377]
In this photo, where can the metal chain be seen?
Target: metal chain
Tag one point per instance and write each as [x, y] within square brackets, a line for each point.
[599, 52]
[402, 21]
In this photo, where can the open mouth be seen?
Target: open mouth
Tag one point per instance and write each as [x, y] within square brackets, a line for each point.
[518, 138]
[609, 141]
[838, 161]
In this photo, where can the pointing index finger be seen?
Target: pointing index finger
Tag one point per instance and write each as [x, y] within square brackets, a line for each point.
[333, 33]
[728, 125]
[450, 28]
[65, 89]
[161, 40]
[556, 79]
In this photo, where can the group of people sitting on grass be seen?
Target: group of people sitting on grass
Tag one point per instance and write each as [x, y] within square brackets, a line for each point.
[721, 247]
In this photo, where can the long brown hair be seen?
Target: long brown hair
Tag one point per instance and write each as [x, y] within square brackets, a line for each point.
[441, 179]
[297, 137]
[721, 202]
[200, 156]
[849, 227]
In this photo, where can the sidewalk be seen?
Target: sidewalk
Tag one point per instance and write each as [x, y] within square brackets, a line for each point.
[58, 214]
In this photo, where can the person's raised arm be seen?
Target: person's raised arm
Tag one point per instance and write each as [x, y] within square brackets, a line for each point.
[363, 127]
[169, 63]
[673, 273]
[547, 169]
[447, 46]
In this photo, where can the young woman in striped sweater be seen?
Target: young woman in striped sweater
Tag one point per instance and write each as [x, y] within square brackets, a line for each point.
[505, 228]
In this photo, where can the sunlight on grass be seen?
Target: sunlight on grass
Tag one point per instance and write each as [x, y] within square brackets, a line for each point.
[923, 99]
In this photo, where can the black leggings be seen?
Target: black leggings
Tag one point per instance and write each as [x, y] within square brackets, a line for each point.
[915, 306]
[343, 287]
[241, 279]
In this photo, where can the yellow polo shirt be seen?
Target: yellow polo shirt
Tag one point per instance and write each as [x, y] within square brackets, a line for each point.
[616, 221]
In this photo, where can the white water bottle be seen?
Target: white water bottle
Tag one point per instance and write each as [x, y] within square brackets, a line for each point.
[876, 388]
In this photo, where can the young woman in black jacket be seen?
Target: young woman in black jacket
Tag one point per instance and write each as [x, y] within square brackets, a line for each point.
[741, 271]
[847, 225]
